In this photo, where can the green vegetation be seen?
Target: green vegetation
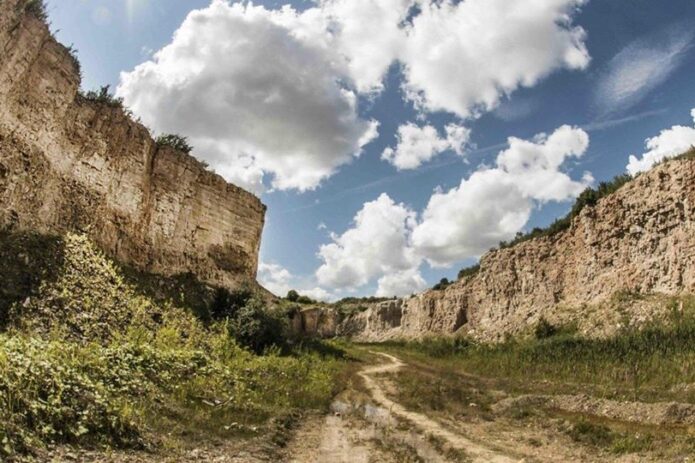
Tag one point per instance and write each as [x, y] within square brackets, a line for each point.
[105, 97]
[600, 435]
[36, 8]
[88, 359]
[468, 271]
[174, 141]
[443, 284]
[645, 364]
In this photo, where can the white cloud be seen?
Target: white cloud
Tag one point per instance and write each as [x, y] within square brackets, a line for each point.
[400, 283]
[275, 278]
[278, 280]
[256, 92]
[260, 92]
[376, 245]
[417, 145]
[461, 57]
[388, 244]
[640, 67]
[670, 142]
[493, 204]
[368, 35]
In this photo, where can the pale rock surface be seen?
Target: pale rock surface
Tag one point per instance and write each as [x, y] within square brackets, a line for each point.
[70, 164]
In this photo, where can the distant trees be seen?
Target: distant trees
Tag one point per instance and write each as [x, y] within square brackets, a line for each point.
[292, 295]
[443, 284]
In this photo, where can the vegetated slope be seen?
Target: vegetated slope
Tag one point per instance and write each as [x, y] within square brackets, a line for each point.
[79, 162]
[87, 359]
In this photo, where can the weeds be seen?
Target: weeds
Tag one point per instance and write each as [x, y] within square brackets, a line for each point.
[90, 360]
[646, 362]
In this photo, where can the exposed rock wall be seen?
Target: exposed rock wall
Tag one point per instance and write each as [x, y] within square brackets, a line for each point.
[71, 164]
[641, 239]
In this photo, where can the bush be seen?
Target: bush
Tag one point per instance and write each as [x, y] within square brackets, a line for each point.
[104, 96]
[468, 271]
[174, 141]
[443, 284]
[257, 329]
[292, 295]
[226, 304]
[36, 8]
[544, 329]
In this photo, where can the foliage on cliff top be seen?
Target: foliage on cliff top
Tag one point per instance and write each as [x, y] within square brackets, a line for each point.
[36, 8]
[177, 142]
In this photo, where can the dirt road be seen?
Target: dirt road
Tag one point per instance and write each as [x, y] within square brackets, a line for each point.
[370, 424]
[385, 431]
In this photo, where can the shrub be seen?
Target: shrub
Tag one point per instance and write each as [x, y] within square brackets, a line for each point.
[443, 284]
[544, 329]
[468, 271]
[36, 8]
[105, 97]
[256, 328]
[305, 300]
[226, 304]
[174, 141]
[292, 295]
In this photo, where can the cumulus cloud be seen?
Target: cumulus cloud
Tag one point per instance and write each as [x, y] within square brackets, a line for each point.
[376, 245]
[670, 142]
[461, 57]
[278, 280]
[275, 278]
[400, 283]
[260, 92]
[493, 204]
[388, 242]
[640, 67]
[417, 145]
[256, 92]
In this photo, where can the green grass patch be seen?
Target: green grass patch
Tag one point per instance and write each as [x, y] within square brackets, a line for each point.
[643, 364]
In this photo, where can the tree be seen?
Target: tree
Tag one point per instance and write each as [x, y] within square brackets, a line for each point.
[292, 295]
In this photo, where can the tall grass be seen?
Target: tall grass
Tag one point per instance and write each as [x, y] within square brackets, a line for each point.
[647, 363]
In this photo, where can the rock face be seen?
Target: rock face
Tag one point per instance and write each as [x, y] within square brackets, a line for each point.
[67, 163]
[639, 240]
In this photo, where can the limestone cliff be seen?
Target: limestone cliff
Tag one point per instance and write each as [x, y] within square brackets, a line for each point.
[67, 163]
[634, 246]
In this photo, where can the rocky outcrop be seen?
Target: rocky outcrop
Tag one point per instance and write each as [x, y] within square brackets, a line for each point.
[67, 163]
[638, 241]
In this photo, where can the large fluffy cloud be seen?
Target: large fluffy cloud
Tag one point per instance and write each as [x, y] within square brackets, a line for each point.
[256, 92]
[272, 95]
[462, 56]
[417, 145]
[494, 204]
[376, 245]
[670, 142]
[388, 243]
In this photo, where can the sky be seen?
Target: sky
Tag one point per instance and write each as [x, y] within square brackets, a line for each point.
[396, 141]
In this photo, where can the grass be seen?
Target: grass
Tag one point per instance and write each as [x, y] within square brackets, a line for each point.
[88, 359]
[643, 364]
[616, 441]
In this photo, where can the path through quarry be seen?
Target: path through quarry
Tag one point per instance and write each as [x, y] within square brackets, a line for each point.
[369, 424]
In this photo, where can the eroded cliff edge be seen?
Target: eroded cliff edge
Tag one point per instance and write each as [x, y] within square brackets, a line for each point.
[616, 264]
[67, 163]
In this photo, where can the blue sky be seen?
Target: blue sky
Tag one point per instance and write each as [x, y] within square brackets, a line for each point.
[285, 102]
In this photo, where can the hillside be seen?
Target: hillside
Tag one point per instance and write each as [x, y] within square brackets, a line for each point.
[614, 266]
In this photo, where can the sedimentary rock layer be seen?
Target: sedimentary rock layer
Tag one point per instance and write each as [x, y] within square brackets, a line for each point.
[67, 163]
